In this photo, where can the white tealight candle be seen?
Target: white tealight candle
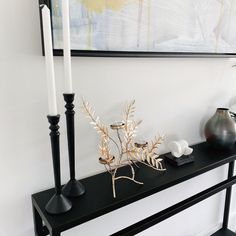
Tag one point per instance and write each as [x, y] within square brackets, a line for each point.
[48, 51]
[66, 45]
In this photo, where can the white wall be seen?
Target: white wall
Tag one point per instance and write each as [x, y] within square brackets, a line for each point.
[174, 96]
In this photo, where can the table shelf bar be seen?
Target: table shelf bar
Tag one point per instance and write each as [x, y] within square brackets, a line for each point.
[171, 211]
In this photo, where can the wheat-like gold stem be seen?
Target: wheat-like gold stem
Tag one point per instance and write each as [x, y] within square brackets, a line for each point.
[96, 122]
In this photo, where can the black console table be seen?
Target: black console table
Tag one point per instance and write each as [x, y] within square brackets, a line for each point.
[98, 199]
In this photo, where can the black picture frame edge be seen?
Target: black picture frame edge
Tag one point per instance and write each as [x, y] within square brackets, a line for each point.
[125, 54]
[143, 54]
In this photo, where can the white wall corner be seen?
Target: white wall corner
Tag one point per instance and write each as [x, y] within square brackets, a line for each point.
[211, 230]
[232, 221]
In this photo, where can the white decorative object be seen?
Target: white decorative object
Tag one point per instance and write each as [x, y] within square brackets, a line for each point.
[180, 148]
[66, 45]
[47, 34]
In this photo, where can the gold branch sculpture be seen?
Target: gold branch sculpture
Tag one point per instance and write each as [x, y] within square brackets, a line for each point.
[129, 152]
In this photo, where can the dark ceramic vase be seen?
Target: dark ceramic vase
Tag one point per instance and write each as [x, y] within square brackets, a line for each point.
[220, 130]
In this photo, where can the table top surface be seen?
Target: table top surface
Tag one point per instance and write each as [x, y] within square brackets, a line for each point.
[98, 199]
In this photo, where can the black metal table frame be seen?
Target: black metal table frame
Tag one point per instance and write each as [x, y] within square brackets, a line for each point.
[42, 230]
[168, 212]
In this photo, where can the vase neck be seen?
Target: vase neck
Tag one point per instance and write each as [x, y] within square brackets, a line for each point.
[223, 111]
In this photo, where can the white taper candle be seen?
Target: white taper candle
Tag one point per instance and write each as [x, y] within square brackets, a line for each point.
[66, 45]
[47, 35]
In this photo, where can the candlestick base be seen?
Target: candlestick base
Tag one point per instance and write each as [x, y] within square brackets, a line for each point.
[73, 188]
[58, 204]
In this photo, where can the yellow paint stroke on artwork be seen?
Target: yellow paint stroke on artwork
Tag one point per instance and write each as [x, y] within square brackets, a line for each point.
[89, 43]
[217, 30]
[56, 10]
[149, 25]
[99, 6]
[232, 7]
[140, 14]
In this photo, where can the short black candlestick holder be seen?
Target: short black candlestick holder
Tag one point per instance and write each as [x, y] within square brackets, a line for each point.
[58, 203]
[73, 188]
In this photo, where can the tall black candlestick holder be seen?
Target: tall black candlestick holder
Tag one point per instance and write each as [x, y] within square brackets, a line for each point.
[58, 203]
[73, 188]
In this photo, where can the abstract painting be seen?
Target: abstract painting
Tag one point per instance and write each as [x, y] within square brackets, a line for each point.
[159, 26]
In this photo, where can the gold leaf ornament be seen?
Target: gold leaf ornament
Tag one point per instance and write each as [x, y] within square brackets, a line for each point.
[128, 152]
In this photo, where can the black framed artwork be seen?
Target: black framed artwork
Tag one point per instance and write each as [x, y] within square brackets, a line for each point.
[147, 28]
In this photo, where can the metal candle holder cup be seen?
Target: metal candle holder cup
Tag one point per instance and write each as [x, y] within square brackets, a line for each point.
[58, 203]
[73, 188]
